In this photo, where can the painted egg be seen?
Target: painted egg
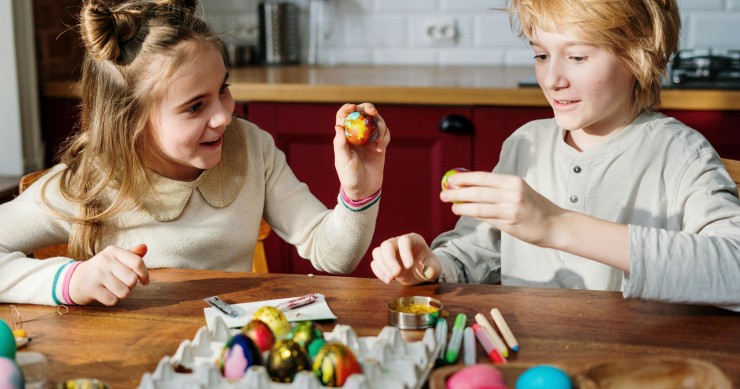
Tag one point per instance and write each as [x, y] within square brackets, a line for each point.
[260, 333]
[334, 363]
[315, 347]
[7, 341]
[11, 376]
[479, 376]
[544, 377]
[450, 173]
[274, 319]
[239, 354]
[286, 358]
[305, 333]
[360, 128]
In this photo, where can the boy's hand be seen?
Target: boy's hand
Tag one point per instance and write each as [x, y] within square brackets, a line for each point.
[109, 276]
[406, 258]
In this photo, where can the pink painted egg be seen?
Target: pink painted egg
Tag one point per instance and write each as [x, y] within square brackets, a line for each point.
[479, 376]
[260, 333]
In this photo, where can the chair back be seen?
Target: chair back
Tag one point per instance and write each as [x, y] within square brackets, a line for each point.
[733, 167]
[259, 261]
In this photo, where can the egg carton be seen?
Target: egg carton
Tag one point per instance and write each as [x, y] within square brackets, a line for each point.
[388, 362]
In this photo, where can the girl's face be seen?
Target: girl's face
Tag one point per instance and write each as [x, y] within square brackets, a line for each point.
[588, 86]
[184, 129]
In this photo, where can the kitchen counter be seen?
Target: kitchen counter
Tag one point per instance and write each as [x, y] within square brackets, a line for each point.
[426, 85]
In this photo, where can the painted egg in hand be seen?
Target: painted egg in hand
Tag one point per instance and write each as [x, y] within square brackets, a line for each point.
[334, 363]
[450, 173]
[239, 354]
[360, 128]
[274, 319]
[286, 358]
[305, 333]
[260, 333]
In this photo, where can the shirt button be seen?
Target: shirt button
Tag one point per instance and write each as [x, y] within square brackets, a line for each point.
[573, 199]
[577, 169]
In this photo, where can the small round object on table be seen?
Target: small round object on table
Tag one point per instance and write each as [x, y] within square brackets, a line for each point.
[414, 312]
[544, 377]
[360, 128]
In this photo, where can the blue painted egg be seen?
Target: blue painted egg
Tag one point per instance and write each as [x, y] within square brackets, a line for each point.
[239, 354]
[544, 377]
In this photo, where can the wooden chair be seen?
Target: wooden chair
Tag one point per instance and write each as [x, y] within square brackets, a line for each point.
[733, 167]
[259, 261]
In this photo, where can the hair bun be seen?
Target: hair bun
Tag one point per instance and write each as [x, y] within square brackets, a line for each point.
[105, 30]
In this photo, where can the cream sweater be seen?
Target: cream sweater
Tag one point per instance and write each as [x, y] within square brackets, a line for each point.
[658, 176]
[210, 223]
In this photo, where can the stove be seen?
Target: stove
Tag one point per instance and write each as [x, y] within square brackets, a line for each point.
[705, 69]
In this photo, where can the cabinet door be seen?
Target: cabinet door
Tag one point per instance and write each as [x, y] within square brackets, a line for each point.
[719, 127]
[418, 156]
[493, 125]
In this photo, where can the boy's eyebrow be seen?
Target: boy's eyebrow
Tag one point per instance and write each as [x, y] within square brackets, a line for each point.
[569, 44]
[200, 96]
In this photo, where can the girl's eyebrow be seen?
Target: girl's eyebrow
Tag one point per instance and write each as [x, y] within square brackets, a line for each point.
[200, 96]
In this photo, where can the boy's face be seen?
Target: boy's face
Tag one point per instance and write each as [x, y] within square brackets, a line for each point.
[588, 86]
[184, 129]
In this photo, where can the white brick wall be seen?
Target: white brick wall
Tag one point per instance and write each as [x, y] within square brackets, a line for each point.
[394, 31]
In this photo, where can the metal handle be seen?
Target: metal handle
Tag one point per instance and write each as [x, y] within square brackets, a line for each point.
[456, 124]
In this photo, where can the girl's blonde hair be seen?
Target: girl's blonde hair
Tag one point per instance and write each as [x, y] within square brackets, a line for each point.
[644, 34]
[132, 49]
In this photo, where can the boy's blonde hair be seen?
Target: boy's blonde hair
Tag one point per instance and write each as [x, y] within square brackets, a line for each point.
[644, 34]
[132, 49]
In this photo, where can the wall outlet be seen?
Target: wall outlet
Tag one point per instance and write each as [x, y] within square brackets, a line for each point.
[438, 31]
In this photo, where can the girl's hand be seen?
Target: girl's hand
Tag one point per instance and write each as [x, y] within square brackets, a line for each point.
[109, 276]
[507, 203]
[407, 258]
[360, 168]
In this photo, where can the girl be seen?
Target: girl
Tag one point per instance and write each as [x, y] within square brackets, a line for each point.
[607, 196]
[161, 167]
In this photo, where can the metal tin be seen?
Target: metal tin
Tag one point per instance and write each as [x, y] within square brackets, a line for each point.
[413, 321]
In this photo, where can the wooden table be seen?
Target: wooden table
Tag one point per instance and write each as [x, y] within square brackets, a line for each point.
[119, 344]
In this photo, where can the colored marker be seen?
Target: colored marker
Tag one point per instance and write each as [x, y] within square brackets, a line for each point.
[453, 349]
[498, 318]
[468, 346]
[440, 332]
[497, 342]
[493, 354]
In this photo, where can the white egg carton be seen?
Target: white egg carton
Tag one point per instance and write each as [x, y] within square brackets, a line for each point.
[388, 362]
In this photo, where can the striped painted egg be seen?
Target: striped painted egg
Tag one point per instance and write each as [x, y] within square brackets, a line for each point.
[334, 363]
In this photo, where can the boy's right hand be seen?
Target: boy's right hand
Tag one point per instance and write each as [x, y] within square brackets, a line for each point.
[109, 276]
[407, 258]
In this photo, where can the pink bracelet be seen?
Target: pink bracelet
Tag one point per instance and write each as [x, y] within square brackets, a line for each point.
[65, 284]
[357, 203]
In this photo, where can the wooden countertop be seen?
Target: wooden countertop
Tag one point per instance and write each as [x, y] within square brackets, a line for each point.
[570, 328]
[426, 85]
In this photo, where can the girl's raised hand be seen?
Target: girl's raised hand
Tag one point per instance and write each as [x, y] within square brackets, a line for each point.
[507, 203]
[109, 276]
[406, 258]
[360, 168]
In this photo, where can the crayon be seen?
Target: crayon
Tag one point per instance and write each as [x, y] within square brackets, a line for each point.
[498, 318]
[453, 348]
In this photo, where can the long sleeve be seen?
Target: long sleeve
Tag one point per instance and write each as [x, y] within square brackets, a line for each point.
[470, 253]
[25, 227]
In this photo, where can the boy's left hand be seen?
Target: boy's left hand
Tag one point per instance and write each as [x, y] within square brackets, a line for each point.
[360, 168]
